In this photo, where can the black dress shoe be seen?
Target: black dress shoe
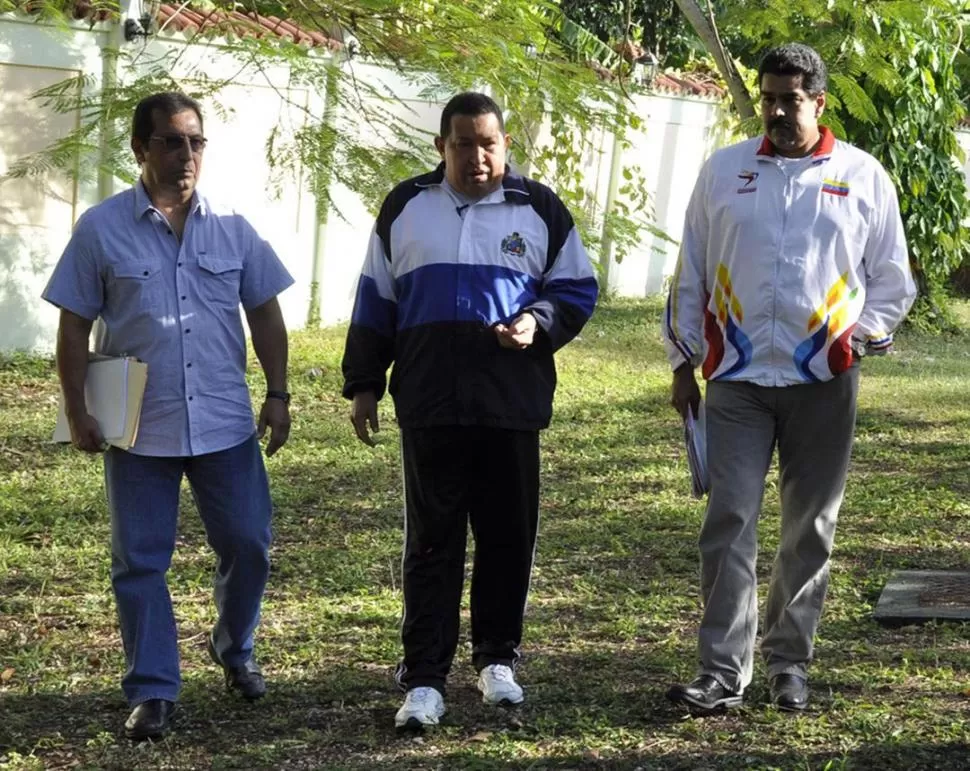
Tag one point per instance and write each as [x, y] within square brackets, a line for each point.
[789, 692]
[704, 694]
[150, 720]
[247, 678]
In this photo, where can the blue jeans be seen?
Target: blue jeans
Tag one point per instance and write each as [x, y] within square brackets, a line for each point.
[231, 491]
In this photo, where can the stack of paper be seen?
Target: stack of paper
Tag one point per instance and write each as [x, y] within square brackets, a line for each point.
[695, 437]
[113, 392]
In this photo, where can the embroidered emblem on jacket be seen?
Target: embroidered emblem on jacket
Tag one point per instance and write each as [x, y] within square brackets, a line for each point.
[749, 177]
[513, 244]
[835, 187]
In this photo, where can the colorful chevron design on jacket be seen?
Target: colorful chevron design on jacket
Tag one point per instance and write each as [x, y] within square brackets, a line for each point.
[827, 326]
[724, 323]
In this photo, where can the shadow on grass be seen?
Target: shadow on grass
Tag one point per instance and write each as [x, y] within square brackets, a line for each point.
[315, 725]
[895, 756]
[927, 465]
[209, 724]
[905, 555]
[342, 717]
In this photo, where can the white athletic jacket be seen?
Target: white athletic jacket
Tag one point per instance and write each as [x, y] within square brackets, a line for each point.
[780, 269]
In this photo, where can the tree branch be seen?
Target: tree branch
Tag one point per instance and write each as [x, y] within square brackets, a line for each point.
[706, 29]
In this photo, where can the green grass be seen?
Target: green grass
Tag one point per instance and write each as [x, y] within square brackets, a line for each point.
[613, 613]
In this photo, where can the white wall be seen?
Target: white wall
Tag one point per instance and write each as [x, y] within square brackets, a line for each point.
[678, 135]
[36, 217]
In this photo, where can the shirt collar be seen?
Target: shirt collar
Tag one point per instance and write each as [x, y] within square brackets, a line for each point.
[143, 202]
[825, 146]
[513, 187]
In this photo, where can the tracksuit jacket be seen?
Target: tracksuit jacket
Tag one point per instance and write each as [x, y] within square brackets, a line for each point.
[438, 275]
[781, 267]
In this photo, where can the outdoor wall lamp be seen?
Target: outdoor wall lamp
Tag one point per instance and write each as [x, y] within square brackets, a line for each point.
[140, 27]
[646, 69]
[143, 24]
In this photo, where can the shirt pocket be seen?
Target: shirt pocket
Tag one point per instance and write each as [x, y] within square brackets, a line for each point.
[138, 283]
[220, 279]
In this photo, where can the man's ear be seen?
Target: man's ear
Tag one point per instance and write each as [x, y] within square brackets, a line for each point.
[508, 141]
[138, 149]
[439, 143]
[819, 105]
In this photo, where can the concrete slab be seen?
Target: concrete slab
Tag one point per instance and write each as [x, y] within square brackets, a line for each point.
[917, 596]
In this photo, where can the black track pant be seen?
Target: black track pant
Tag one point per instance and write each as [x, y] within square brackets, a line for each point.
[454, 474]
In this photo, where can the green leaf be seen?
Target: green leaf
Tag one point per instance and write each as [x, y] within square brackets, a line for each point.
[855, 99]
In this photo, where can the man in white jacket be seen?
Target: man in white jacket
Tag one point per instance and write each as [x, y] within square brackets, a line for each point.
[793, 264]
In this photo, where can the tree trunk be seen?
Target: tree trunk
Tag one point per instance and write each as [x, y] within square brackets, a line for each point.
[704, 27]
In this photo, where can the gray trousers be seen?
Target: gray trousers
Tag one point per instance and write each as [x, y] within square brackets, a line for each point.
[812, 426]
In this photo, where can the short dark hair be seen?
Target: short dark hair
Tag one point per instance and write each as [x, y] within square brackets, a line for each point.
[469, 103]
[796, 59]
[167, 102]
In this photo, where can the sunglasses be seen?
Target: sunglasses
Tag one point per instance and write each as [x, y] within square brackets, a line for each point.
[173, 142]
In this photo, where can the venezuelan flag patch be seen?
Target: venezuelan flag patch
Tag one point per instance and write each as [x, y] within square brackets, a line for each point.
[835, 187]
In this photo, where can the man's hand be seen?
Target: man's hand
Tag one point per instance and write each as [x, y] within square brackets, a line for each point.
[685, 392]
[275, 415]
[363, 410]
[519, 334]
[85, 432]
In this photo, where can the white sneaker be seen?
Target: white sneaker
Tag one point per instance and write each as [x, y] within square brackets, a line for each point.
[498, 686]
[422, 707]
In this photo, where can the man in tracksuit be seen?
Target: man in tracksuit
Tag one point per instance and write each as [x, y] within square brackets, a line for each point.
[793, 263]
[474, 277]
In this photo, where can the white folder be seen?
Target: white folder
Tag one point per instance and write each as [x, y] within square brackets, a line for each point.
[113, 391]
[695, 438]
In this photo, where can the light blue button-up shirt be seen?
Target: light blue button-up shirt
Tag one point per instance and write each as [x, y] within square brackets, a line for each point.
[175, 306]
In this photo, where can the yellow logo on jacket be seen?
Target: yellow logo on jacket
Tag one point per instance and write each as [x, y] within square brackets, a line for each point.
[834, 308]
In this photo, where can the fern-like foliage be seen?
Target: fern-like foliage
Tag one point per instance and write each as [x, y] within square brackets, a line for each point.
[853, 98]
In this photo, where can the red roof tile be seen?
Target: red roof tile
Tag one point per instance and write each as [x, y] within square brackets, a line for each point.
[250, 24]
[212, 23]
[215, 23]
[696, 85]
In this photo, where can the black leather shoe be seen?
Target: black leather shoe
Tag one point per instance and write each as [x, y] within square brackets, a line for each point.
[789, 692]
[704, 694]
[247, 678]
[150, 720]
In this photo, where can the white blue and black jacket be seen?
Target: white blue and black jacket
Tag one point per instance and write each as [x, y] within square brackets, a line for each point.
[438, 276]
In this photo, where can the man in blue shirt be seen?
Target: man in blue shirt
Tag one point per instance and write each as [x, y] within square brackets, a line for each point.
[474, 277]
[165, 270]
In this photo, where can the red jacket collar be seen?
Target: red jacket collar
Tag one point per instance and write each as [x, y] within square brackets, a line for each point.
[825, 147]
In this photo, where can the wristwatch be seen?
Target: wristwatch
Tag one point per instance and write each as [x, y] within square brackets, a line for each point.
[859, 347]
[283, 396]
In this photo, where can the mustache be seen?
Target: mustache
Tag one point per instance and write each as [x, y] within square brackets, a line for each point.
[779, 123]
